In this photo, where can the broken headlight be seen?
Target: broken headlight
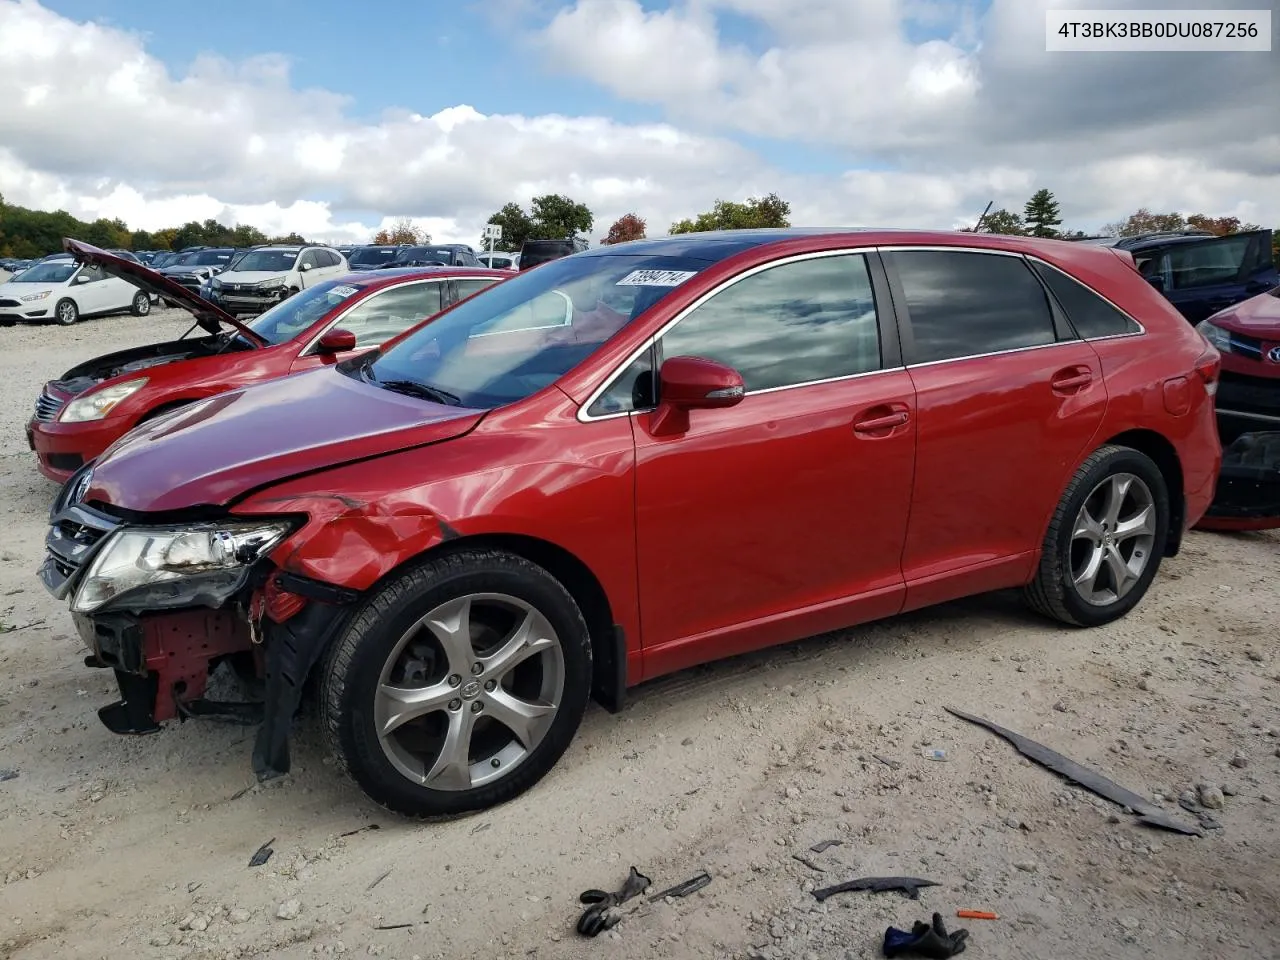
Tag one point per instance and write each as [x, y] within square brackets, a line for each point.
[175, 567]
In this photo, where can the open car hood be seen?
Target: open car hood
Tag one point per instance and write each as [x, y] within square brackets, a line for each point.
[208, 316]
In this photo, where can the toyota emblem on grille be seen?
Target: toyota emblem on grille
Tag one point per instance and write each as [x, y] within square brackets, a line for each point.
[81, 488]
[1274, 355]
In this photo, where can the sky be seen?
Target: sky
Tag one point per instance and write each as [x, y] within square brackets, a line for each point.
[333, 119]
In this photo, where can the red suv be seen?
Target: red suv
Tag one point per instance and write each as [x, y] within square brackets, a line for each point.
[629, 461]
[93, 404]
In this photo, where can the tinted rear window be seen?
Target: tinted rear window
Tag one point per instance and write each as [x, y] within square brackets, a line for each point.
[964, 304]
[1091, 315]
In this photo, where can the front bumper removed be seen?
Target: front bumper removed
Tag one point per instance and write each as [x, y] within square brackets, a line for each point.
[1248, 492]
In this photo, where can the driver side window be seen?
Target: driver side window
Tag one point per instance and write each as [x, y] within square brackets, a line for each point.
[93, 272]
[387, 314]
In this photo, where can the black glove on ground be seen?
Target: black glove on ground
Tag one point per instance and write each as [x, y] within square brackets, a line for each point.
[925, 941]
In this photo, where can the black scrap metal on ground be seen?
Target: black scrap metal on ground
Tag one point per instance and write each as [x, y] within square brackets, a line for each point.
[263, 854]
[692, 885]
[601, 915]
[1089, 779]
[908, 885]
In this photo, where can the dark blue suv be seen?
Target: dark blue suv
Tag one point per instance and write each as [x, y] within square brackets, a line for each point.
[1201, 273]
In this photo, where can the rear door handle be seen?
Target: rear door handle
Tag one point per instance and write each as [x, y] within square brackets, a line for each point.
[1071, 381]
[882, 423]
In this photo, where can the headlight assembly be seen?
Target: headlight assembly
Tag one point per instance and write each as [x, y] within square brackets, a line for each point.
[175, 566]
[1217, 336]
[271, 284]
[34, 296]
[98, 403]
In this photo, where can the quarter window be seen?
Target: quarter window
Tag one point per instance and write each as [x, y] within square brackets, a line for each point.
[964, 304]
[1091, 315]
[794, 323]
[473, 285]
[384, 315]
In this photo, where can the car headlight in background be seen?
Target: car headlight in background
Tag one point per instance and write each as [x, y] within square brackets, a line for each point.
[99, 403]
[177, 566]
[272, 283]
[35, 296]
[1219, 338]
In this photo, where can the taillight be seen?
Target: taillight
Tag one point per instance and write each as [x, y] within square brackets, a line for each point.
[1208, 368]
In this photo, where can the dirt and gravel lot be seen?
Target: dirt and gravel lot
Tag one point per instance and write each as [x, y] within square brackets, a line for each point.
[114, 847]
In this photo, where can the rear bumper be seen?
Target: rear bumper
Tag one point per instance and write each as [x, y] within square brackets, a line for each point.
[1248, 490]
[62, 448]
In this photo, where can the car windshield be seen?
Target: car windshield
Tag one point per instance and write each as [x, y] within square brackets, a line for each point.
[371, 256]
[443, 254]
[288, 318]
[267, 260]
[209, 258]
[515, 338]
[51, 271]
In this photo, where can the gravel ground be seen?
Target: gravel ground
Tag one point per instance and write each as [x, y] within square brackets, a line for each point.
[114, 847]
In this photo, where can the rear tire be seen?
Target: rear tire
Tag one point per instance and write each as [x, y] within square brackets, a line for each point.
[458, 684]
[66, 312]
[141, 304]
[1105, 541]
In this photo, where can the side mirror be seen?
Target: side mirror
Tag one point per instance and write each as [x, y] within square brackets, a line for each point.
[1157, 281]
[693, 383]
[305, 267]
[84, 278]
[336, 341]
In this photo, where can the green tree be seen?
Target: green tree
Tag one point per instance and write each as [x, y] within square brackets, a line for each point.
[517, 227]
[246, 236]
[555, 217]
[1144, 221]
[627, 227]
[754, 213]
[1001, 221]
[1042, 215]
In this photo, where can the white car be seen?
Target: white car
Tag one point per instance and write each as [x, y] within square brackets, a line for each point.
[64, 291]
[264, 276]
[499, 260]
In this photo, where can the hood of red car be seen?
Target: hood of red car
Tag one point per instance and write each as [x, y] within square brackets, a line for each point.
[209, 316]
[214, 451]
[1257, 317]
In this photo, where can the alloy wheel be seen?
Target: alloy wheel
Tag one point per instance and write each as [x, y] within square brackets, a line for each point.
[469, 691]
[66, 313]
[1111, 541]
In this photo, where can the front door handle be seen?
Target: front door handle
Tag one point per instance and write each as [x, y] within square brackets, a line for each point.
[881, 423]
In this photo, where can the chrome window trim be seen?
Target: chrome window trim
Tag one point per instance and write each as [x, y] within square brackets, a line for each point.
[1141, 331]
[595, 395]
[306, 351]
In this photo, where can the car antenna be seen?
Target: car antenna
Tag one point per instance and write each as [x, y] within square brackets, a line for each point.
[977, 227]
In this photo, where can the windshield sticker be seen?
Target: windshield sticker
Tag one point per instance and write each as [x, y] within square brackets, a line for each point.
[344, 291]
[655, 278]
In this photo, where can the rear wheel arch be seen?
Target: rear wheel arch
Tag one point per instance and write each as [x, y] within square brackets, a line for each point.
[608, 648]
[1165, 455]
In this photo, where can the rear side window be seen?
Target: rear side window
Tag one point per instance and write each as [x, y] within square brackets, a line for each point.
[473, 285]
[795, 323]
[389, 313]
[964, 304]
[1091, 315]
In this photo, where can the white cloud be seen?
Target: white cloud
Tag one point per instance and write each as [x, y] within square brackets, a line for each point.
[961, 108]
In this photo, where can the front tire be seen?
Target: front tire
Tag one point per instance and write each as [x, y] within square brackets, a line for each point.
[141, 305]
[66, 312]
[458, 685]
[1105, 540]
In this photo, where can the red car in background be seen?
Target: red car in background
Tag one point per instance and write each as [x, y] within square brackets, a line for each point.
[84, 411]
[1248, 337]
[630, 461]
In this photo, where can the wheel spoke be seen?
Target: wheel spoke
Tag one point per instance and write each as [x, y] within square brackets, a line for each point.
[1143, 523]
[526, 719]
[1117, 490]
[1086, 579]
[531, 637]
[1087, 528]
[452, 767]
[396, 706]
[451, 626]
[1121, 575]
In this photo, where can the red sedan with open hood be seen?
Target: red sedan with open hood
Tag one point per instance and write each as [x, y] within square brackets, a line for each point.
[629, 461]
[88, 408]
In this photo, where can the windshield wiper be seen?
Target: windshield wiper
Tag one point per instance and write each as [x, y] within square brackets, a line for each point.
[412, 388]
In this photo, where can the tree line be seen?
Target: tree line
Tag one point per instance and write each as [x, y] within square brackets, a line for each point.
[1041, 217]
[33, 233]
